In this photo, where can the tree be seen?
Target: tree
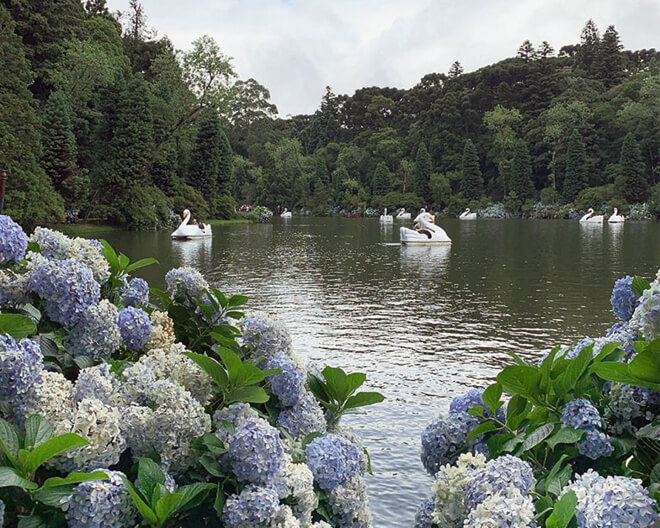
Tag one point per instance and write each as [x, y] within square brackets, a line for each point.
[521, 173]
[206, 156]
[608, 62]
[502, 122]
[225, 165]
[455, 70]
[423, 170]
[545, 50]
[631, 182]
[526, 51]
[250, 103]
[576, 178]
[471, 181]
[59, 143]
[590, 40]
[382, 180]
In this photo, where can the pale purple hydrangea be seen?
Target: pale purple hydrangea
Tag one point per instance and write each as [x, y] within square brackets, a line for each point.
[501, 474]
[424, 514]
[624, 299]
[333, 460]
[182, 282]
[266, 335]
[96, 334]
[290, 384]
[472, 398]
[615, 501]
[69, 288]
[101, 504]
[512, 509]
[631, 408]
[235, 414]
[304, 418]
[21, 365]
[253, 507]
[646, 318]
[13, 240]
[595, 444]
[135, 327]
[348, 504]
[135, 293]
[574, 352]
[443, 439]
[581, 414]
[96, 382]
[256, 452]
[13, 288]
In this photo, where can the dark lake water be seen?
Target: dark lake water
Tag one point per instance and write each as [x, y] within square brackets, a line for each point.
[425, 323]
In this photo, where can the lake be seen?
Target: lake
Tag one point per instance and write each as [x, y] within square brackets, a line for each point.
[425, 323]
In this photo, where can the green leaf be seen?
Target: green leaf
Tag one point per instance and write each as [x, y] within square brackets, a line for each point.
[318, 388]
[149, 474]
[565, 383]
[214, 444]
[362, 399]
[10, 478]
[211, 465]
[220, 499]
[162, 296]
[51, 448]
[491, 397]
[639, 284]
[335, 382]
[124, 261]
[646, 365]
[354, 381]
[74, 478]
[515, 411]
[212, 368]
[83, 361]
[37, 431]
[231, 361]
[53, 497]
[110, 255]
[651, 431]
[496, 443]
[537, 436]
[556, 484]
[563, 512]
[48, 346]
[485, 427]
[9, 441]
[249, 374]
[142, 263]
[147, 513]
[477, 410]
[517, 358]
[565, 435]
[167, 506]
[193, 495]
[16, 325]
[237, 300]
[250, 394]
[519, 379]
[31, 521]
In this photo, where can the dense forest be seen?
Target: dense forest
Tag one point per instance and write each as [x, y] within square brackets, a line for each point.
[100, 114]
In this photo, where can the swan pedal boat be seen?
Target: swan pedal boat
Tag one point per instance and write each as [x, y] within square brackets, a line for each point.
[403, 215]
[187, 231]
[616, 218]
[467, 215]
[286, 213]
[425, 232]
[385, 218]
[590, 219]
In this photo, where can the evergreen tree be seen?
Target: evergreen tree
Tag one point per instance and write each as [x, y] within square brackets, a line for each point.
[521, 173]
[545, 50]
[423, 170]
[608, 63]
[471, 181]
[339, 176]
[164, 172]
[321, 170]
[589, 44]
[455, 70]
[206, 156]
[30, 198]
[631, 182]
[575, 178]
[382, 180]
[526, 51]
[225, 165]
[59, 143]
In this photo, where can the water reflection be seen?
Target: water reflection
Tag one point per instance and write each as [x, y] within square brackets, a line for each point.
[431, 260]
[193, 253]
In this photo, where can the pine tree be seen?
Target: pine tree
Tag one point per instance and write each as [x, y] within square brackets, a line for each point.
[576, 177]
[545, 50]
[455, 70]
[321, 170]
[521, 173]
[59, 143]
[206, 156]
[590, 41]
[423, 170]
[382, 181]
[471, 180]
[631, 182]
[526, 51]
[608, 62]
[30, 198]
[164, 172]
[225, 165]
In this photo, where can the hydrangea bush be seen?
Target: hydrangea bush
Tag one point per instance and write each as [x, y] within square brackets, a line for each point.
[134, 405]
[578, 444]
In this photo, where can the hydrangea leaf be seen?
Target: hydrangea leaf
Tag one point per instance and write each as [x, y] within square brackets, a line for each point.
[16, 325]
[563, 512]
[10, 478]
[37, 431]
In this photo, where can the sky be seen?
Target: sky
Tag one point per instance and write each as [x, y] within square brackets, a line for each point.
[297, 47]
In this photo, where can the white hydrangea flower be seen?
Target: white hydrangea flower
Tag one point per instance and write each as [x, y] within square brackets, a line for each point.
[449, 489]
[298, 483]
[96, 382]
[284, 518]
[510, 510]
[162, 334]
[52, 398]
[348, 504]
[646, 317]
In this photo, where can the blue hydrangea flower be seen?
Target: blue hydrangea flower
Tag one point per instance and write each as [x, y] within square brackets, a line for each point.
[135, 327]
[444, 438]
[266, 335]
[234, 414]
[646, 318]
[499, 475]
[256, 452]
[290, 384]
[186, 281]
[574, 352]
[21, 364]
[623, 299]
[13, 241]
[135, 293]
[614, 501]
[304, 418]
[424, 515]
[96, 334]
[348, 504]
[472, 398]
[595, 444]
[253, 507]
[333, 460]
[101, 504]
[96, 244]
[68, 286]
[97, 383]
[581, 414]
[631, 408]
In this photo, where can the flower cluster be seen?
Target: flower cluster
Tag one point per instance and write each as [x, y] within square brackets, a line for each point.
[646, 317]
[333, 460]
[21, 364]
[266, 335]
[135, 293]
[581, 414]
[253, 507]
[256, 452]
[13, 241]
[623, 299]
[630, 408]
[186, 282]
[135, 327]
[96, 334]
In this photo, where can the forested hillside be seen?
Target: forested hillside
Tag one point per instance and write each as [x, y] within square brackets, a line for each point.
[101, 114]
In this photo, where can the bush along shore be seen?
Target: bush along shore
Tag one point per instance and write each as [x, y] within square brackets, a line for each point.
[116, 412]
[578, 444]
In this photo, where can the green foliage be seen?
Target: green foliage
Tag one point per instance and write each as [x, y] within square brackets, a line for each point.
[337, 392]
[576, 177]
[382, 180]
[471, 181]
[520, 181]
[423, 170]
[121, 265]
[59, 143]
[632, 183]
[17, 325]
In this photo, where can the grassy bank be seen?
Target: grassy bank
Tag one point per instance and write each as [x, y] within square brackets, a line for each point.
[85, 229]
[229, 222]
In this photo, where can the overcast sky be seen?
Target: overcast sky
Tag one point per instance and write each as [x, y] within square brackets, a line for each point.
[297, 47]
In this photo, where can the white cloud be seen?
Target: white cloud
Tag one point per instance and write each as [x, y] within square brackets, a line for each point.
[297, 47]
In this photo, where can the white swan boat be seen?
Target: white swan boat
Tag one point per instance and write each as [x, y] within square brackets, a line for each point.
[385, 218]
[467, 215]
[424, 231]
[616, 218]
[403, 215]
[590, 219]
[286, 213]
[187, 231]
